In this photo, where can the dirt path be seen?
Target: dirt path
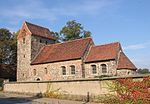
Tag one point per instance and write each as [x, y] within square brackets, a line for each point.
[11, 98]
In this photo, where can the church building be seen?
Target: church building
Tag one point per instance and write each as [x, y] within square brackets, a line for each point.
[40, 57]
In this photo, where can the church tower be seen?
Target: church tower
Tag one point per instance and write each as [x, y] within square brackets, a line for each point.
[30, 40]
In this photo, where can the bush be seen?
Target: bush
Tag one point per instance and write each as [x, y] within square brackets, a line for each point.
[132, 92]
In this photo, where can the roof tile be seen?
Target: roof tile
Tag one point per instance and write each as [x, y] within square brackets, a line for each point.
[124, 62]
[103, 52]
[40, 31]
[62, 51]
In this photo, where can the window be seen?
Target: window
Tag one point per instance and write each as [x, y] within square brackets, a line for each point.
[72, 69]
[23, 40]
[24, 56]
[46, 71]
[38, 79]
[40, 41]
[63, 70]
[34, 72]
[94, 71]
[104, 68]
[46, 42]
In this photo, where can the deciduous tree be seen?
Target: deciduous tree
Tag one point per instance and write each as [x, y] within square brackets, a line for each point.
[8, 47]
[73, 30]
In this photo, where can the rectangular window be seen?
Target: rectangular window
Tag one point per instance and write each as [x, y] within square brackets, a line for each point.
[63, 70]
[40, 41]
[94, 71]
[104, 68]
[46, 42]
[72, 69]
[23, 40]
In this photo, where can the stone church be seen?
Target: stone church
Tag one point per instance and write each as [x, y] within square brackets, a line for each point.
[39, 57]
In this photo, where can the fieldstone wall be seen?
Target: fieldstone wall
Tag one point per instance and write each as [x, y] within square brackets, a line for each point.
[23, 58]
[28, 47]
[111, 69]
[53, 71]
[37, 44]
[125, 72]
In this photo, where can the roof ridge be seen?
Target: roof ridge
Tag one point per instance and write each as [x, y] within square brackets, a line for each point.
[106, 44]
[69, 41]
[36, 25]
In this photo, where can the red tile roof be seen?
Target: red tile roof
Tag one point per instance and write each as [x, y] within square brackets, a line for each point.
[62, 51]
[38, 31]
[103, 52]
[124, 62]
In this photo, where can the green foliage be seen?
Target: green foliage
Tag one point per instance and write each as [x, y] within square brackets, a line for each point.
[8, 47]
[73, 30]
[143, 71]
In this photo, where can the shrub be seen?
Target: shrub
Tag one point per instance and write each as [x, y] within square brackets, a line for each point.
[132, 92]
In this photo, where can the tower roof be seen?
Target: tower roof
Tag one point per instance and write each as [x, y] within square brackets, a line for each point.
[37, 31]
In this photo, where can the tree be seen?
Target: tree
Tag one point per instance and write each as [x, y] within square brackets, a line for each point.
[73, 30]
[143, 71]
[8, 47]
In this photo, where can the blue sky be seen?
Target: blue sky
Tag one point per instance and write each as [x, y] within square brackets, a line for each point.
[125, 21]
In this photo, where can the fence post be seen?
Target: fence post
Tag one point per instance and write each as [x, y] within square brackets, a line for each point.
[88, 97]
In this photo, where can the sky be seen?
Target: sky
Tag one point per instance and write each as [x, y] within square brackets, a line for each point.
[124, 21]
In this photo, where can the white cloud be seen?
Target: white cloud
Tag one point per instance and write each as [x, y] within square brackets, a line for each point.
[137, 46]
[36, 9]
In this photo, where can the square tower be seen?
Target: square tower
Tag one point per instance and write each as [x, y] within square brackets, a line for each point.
[30, 40]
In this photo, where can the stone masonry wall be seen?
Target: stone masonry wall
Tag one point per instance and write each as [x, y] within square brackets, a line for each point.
[125, 72]
[37, 44]
[111, 69]
[53, 71]
[23, 58]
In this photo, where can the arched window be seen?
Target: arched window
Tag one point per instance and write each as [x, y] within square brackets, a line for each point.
[63, 70]
[94, 71]
[34, 72]
[104, 68]
[38, 79]
[72, 69]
